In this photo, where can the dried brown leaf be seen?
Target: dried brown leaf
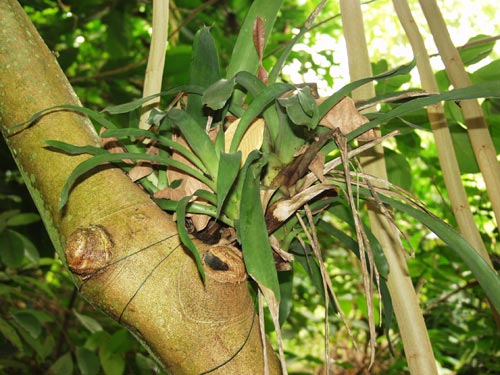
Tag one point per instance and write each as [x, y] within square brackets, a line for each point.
[113, 145]
[317, 166]
[259, 39]
[345, 116]
[252, 139]
[144, 168]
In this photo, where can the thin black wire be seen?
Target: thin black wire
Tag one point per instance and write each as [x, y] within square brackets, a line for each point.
[144, 281]
[128, 256]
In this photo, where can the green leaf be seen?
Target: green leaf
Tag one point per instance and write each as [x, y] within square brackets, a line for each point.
[286, 293]
[483, 90]
[184, 235]
[29, 322]
[88, 362]
[11, 248]
[228, 171]
[267, 96]
[252, 231]
[63, 365]
[23, 219]
[133, 105]
[205, 71]
[325, 106]
[307, 101]
[301, 108]
[90, 323]
[398, 169]
[106, 157]
[127, 133]
[121, 342]
[487, 278]
[197, 138]
[111, 362]
[217, 95]
[76, 150]
[10, 334]
[100, 119]
[233, 203]
[30, 251]
[184, 151]
[464, 152]
[5, 216]
[278, 66]
[476, 53]
[244, 56]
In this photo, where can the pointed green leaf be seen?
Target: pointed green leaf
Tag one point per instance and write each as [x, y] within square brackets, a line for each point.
[197, 138]
[205, 71]
[301, 108]
[112, 363]
[11, 248]
[477, 52]
[487, 278]
[63, 366]
[106, 157]
[29, 322]
[217, 95]
[10, 334]
[97, 117]
[483, 90]
[255, 108]
[133, 105]
[244, 56]
[88, 322]
[127, 133]
[228, 171]
[76, 150]
[88, 362]
[184, 235]
[252, 231]
[325, 106]
[23, 219]
[307, 101]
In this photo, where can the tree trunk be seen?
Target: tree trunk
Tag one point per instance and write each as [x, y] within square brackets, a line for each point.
[123, 250]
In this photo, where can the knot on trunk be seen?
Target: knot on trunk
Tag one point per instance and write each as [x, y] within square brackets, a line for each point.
[224, 264]
[88, 250]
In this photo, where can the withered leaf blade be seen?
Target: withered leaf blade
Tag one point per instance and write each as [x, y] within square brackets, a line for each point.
[345, 116]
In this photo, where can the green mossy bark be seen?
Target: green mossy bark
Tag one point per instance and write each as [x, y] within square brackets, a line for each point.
[150, 284]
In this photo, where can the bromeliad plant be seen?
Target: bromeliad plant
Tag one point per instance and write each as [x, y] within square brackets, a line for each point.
[258, 163]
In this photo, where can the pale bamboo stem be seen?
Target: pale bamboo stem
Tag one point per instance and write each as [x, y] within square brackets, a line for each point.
[444, 143]
[156, 59]
[442, 137]
[477, 128]
[418, 349]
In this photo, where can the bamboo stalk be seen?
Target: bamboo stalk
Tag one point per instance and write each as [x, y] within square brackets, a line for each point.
[442, 138]
[156, 59]
[477, 128]
[409, 316]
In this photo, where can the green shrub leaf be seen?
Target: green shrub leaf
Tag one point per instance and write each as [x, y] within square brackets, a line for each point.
[88, 362]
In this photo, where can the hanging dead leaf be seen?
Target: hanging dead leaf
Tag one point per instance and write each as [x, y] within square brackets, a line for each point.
[317, 166]
[252, 139]
[347, 118]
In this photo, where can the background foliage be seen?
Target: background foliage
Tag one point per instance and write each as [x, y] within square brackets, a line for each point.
[102, 47]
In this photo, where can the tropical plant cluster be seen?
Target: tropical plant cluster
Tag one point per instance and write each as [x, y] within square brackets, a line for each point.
[235, 155]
